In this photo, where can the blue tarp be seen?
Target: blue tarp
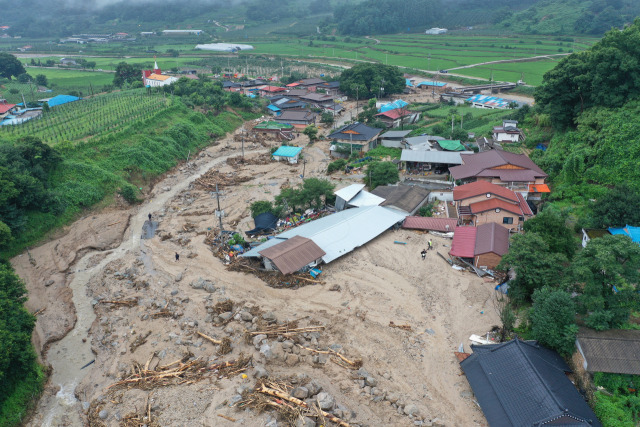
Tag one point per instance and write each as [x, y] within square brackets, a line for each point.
[436, 84]
[393, 105]
[408, 83]
[273, 107]
[62, 99]
[541, 147]
[492, 101]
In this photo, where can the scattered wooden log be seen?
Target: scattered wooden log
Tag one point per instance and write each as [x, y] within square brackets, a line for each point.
[403, 327]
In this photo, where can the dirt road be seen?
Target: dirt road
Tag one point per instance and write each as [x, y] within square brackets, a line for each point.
[415, 375]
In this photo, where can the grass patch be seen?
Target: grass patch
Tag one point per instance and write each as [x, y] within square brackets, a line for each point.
[15, 407]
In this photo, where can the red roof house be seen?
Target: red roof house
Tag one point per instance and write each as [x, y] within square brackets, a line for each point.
[484, 245]
[482, 202]
[5, 108]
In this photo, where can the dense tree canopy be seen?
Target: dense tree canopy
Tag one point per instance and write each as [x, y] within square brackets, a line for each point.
[607, 273]
[550, 224]
[607, 74]
[381, 173]
[365, 80]
[127, 73]
[16, 324]
[553, 319]
[313, 193]
[24, 181]
[618, 207]
[386, 16]
[534, 263]
[10, 66]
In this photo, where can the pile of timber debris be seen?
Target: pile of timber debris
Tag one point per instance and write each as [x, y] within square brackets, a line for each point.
[209, 180]
[187, 370]
[274, 279]
[278, 395]
[237, 161]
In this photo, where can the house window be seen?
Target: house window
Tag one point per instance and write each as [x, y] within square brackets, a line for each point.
[507, 220]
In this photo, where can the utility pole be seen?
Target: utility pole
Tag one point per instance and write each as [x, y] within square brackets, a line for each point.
[219, 212]
[304, 167]
[357, 100]
[242, 130]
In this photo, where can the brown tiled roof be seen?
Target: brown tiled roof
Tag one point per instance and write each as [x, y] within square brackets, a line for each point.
[491, 204]
[475, 164]
[293, 254]
[443, 225]
[482, 187]
[492, 237]
[615, 351]
[409, 198]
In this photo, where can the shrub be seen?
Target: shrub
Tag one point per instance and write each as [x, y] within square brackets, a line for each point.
[336, 165]
[261, 206]
[129, 193]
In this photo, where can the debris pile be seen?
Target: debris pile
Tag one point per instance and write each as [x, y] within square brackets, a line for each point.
[209, 180]
[274, 279]
[238, 161]
[299, 405]
[187, 370]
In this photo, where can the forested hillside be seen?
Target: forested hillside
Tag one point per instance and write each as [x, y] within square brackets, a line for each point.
[593, 17]
[530, 17]
[40, 18]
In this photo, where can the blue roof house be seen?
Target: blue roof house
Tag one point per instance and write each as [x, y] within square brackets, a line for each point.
[291, 154]
[629, 231]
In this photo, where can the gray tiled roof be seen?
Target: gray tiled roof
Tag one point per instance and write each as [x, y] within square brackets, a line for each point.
[520, 383]
[614, 351]
[361, 132]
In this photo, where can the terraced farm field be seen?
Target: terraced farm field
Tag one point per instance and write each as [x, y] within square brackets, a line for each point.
[91, 118]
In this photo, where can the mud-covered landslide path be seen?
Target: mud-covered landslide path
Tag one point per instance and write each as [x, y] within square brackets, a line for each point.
[69, 355]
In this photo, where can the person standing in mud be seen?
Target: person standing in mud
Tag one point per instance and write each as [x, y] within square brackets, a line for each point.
[424, 254]
[177, 257]
[149, 216]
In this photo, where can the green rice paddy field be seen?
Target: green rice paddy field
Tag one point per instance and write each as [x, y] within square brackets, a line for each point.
[414, 51]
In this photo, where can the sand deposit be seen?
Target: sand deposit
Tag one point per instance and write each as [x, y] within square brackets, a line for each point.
[184, 319]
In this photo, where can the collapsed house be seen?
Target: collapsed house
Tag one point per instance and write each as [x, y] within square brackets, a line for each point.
[336, 235]
[355, 196]
[405, 198]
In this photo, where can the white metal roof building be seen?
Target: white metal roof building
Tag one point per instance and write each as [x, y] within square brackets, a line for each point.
[342, 232]
[445, 157]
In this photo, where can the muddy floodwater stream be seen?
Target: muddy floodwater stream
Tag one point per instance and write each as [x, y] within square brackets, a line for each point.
[68, 356]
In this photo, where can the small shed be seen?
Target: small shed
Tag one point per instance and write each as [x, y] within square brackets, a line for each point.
[394, 138]
[291, 154]
[292, 255]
